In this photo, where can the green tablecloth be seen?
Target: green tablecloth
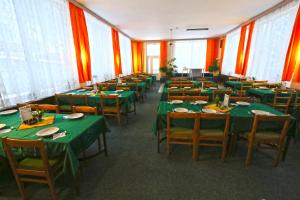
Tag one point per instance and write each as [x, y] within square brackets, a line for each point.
[236, 85]
[153, 78]
[127, 98]
[205, 92]
[81, 134]
[241, 117]
[196, 83]
[266, 96]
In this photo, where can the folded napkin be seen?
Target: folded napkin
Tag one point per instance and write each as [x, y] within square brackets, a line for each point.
[45, 121]
[215, 107]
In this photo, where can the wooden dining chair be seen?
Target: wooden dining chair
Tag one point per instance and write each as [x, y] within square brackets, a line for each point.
[193, 92]
[31, 169]
[217, 137]
[208, 84]
[220, 93]
[233, 78]
[175, 92]
[282, 99]
[123, 88]
[179, 79]
[79, 100]
[181, 135]
[48, 107]
[110, 106]
[235, 99]
[87, 88]
[93, 111]
[244, 88]
[271, 138]
[201, 79]
[32, 106]
[64, 102]
[189, 98]
[260, 81]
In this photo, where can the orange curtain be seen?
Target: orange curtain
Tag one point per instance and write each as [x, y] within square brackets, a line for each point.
[247, 51]
[240, 54]
[81, 43]
[163, 54]
[222, 52]
[137, 48]
[291, 70]
[211, 52]
[116, 49]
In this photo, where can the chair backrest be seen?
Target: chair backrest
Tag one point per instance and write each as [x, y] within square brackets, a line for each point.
[221, 93]
[189, 98]
[88, 88]
[10, 144]
[32, 106]
[285, 119]
[201, 79]
[48, 107]
[234, 99]
[111, 100]
[217, 117]
[207, 84]
[85, 109]
[179, 79]
[256, 85]
[80, 99]
[181, 85]
[123, 88]
[182, 116]
[192, 92]
[63, 99]
[283, 96]
[175, 92]
[233, 78]
[260, 81]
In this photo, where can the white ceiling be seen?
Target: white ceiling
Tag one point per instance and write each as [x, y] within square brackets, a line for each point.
[152, 19]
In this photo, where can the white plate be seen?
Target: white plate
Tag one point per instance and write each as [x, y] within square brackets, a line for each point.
[213, 88]
[263, 88]
[47, 131]
[2, 126]
[74, 116]
[81, 90]
[8, 112]
[6, 130]
[176, 101]
[173, 87]
[201, 102]
[242, 103]
[181, 110]
[119, 90]
[209, 110]
[187, 87]
[261, 112]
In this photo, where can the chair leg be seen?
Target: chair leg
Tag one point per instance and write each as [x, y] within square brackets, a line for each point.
[52, 187]
[158, 141]
[195, 150]
[168, 148]
[224, 150]
[119, 118]
[249, 154]
[104, 144]
[278, 156]
[21, 187]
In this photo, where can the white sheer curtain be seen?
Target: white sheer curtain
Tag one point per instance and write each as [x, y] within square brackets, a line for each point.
[230, 54]
[270, 41]
[37, 57]
[190, 54]
[126, 57]
[101, 50]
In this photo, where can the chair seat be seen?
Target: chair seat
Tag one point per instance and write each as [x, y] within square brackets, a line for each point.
[211, 133]
[110, 109]
[265, 135]
[181, 130]
[37, 164]
[65, 107]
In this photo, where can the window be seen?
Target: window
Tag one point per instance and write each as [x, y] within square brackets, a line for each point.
[126, 57]
[37, 57]
[270, 40]
[101, 50]
[190, 54]
[153, 53]
[231, 50]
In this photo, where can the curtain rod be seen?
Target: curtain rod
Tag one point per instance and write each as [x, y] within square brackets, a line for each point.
[97, 16]
[262, 14]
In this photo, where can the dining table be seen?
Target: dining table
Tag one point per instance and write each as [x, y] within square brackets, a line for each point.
[80, 134]
[266, 95]
[127, 98]
[235, 85]
[241, 117]
[204, 91]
